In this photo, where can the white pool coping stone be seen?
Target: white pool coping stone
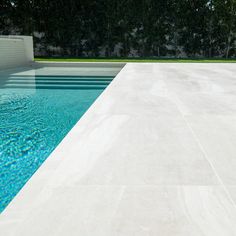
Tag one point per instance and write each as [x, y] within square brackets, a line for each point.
[154, 155]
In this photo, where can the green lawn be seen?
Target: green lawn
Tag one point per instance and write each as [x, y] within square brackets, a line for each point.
[143, 60]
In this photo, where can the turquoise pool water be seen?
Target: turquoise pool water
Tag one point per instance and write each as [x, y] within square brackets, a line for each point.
[35, 115]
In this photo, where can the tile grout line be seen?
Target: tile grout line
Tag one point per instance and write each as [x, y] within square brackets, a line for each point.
[204, 152]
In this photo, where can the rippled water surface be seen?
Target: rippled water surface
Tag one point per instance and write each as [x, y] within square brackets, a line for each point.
[33, 120]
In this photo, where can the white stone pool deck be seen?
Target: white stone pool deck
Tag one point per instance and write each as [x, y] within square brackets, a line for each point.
[155, 155]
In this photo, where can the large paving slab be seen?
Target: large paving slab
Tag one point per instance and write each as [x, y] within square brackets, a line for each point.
[154, 155]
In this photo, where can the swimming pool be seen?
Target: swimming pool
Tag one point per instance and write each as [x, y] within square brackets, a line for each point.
[36, 112]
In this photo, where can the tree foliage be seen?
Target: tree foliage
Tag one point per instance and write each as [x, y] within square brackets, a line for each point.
[145, 28]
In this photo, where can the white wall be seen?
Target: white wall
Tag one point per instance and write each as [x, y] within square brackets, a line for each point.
[15, 51]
